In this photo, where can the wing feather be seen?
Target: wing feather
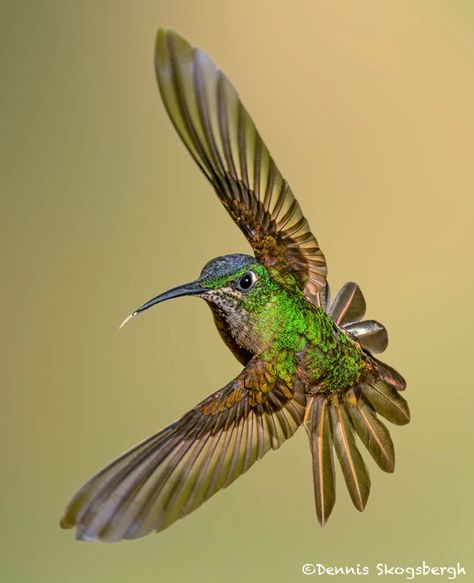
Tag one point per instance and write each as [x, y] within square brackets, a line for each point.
[222, 138]
[170, 474]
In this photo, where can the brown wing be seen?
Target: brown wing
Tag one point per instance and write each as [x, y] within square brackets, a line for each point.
[173, 472]
[220, 135]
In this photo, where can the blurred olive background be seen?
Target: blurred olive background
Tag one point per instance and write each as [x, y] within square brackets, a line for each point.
[367, 108]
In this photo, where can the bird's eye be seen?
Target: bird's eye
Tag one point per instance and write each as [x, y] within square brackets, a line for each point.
[247, 281]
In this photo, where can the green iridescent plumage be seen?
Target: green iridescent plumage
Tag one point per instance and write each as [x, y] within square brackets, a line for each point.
[283, 319]
[307, 361]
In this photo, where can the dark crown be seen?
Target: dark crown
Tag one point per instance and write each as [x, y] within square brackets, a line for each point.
[225, 265]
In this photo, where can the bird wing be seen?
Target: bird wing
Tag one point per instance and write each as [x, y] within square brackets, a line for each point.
[173, 472]
[220, 135]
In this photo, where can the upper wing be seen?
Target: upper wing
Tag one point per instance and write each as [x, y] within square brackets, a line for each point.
[220, 135]
[174, 471]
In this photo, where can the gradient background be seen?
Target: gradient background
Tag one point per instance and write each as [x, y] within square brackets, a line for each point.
[367, 107]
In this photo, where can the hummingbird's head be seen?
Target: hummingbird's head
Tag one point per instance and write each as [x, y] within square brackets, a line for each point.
[237, 287]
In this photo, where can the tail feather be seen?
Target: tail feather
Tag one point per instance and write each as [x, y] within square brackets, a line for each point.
[389, 375]
[324, 479]
[387, 401]
[335, 421]
[372, 432]
[352, 465]
[348, 305]
[371, 335]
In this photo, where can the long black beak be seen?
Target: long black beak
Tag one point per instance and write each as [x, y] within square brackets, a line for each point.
[188, 289]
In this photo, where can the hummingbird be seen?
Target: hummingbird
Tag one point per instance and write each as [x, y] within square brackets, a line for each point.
[307, 361]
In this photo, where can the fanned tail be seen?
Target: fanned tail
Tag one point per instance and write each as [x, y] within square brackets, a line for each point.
[335, 421]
